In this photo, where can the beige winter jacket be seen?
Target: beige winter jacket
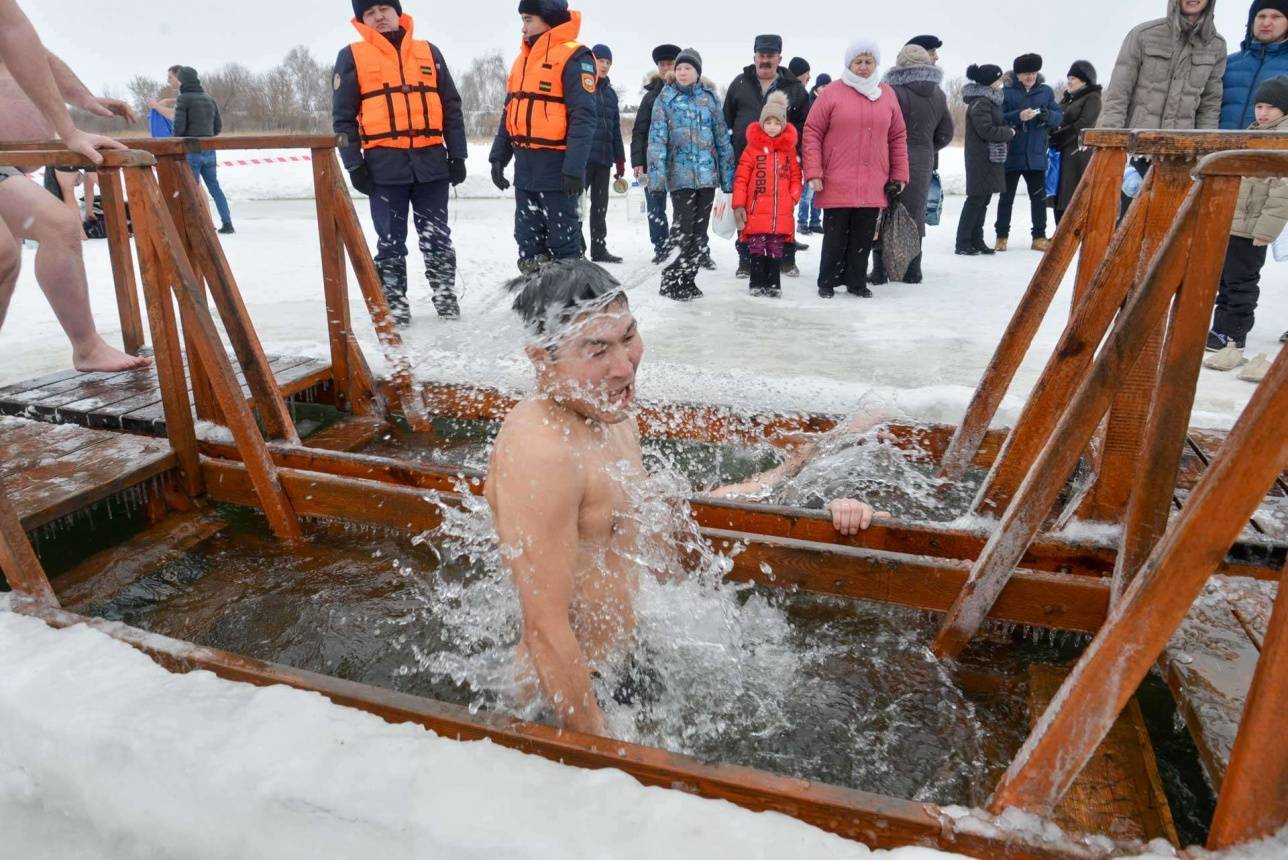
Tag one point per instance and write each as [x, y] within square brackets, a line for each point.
[1168, 75]
[1262, 210]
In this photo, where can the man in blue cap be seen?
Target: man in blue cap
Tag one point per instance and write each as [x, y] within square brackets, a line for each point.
[606, 152]
[551, 110]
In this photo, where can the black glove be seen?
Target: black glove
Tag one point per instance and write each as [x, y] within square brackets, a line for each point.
[892, 191]
[360, 176]
[572, 185]
[456, 170]
[498, 176]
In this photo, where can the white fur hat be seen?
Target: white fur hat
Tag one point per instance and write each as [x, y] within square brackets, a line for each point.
[862, 46]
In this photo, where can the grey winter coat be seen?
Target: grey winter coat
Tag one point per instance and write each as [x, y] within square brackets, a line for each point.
[195, 113]
[1168, 75]
[1262, 210]
[930, 129]
[1081, 110]
[984, 126]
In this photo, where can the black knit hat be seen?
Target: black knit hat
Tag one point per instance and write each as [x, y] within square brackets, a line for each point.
[798, 66]
[769, 44]
[360, 7]
[665, 52]
[1027, 64]
[930, 43]
[1274, 91]
[1280, 6]
[553, 12]
[985, 76]
[1084, 71]
[692, 57]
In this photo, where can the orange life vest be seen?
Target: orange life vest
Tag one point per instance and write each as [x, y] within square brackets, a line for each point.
[401, 108]
[536, 115]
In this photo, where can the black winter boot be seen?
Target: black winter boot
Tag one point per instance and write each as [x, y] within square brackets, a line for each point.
[445, 302]
[775, 288]
[878, 275]
[759, 267]
[913, 275]
[393, 279]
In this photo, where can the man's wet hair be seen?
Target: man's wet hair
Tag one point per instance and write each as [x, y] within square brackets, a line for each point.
[554, 296]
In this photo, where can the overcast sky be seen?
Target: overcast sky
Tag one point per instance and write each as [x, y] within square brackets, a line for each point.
[109, 41]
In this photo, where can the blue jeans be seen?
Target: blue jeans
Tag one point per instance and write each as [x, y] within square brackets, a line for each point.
[658, 228]
[806, 214]
[205, 167]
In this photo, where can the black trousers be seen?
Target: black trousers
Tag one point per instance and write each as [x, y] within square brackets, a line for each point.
[1036, 182]
[692, 212]
[970, 229]
[1236, 304]
[848, 237]
[598, 178]
[427, 202]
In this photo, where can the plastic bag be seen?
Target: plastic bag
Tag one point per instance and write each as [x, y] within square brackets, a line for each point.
[1054, 160]
[723, 222]
[900, 241]
[935, 202]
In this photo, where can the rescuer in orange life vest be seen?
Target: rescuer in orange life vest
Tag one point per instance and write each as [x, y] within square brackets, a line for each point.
[396, 103]
[551, 111]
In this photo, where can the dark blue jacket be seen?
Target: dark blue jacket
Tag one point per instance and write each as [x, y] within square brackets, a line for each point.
[390, 166]
[608, 147]
[1244, 72]
[543, 169]
[1033, 138]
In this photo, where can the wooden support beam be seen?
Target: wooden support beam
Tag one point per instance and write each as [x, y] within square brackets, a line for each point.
[1124, 651]
[1036, 496]
[116, 220]
[350, 232]
[1158, 461]
[875, 820]
[175, 268]
[1102, 215]
[335, 284]
[1254, 795]
[18, 562]
[1019, 334]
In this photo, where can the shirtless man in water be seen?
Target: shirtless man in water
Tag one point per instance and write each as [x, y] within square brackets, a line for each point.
[35, 88]
[558, 484]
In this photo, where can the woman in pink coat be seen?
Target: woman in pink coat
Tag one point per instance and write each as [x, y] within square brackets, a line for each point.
[856, 145]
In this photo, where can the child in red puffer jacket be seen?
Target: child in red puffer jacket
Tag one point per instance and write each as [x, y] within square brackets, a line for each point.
[766, 190]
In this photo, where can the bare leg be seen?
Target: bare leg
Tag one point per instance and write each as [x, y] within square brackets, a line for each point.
[10, 266]
[91, 182]
[32, 213]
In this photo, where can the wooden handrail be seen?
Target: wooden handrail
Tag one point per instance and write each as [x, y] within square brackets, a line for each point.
[1263, 165]
[176, 146]
[34, 159]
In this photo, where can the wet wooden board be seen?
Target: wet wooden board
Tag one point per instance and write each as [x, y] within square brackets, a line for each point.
[1206, 444]
[1209, 664]
[1252, 603]
[61, 469]
[1119, 793]
[351, 434]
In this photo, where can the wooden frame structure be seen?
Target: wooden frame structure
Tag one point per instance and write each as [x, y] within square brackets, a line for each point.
[180, 262]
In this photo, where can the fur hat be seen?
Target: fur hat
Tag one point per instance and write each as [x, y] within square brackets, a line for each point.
[1274, 91]
[985, 76]
[602, 52]
[690, 57]
[862, 46]
[553, 12]
[1026, 64]
[913, 55]
[929, 43]
[1084, 71]
[360, 7]
[798, 66]
[665, 52]
[775, 108]
[768, 44]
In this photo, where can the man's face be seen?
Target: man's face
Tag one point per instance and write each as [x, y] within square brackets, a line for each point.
[1028, 80]
[1270, 26]
[1193, 8]
[767, 65]
[665, 67]
[604, 67]
[592, 370]
[382, 19]
[534, 25]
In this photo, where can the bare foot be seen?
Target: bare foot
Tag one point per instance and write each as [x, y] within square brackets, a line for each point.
[104, 359]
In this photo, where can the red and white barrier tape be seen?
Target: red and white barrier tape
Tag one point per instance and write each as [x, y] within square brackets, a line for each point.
[282, 159]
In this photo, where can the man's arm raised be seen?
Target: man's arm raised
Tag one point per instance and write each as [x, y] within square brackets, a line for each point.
[538, 493]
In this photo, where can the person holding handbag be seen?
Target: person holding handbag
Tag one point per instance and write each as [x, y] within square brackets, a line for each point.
[988, 139]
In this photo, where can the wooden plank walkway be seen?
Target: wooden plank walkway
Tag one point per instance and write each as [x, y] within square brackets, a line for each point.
[52, 471]
[1210, 663]
[131, 400]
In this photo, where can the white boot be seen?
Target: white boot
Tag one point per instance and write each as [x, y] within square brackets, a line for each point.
[1227, 359]
[1256, 369]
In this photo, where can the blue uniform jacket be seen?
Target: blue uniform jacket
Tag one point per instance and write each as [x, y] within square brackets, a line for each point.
[390, 166]
[1033, 138]
[1244, 72]
[608, 147]
[540, 170]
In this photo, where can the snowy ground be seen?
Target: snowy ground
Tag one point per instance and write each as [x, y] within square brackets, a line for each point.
[219, 770]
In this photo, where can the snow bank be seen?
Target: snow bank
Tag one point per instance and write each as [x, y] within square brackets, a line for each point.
[104, 754]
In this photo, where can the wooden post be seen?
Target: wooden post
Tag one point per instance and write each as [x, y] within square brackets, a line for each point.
[164, 236]
[1254, 794]
[18, 561]
[1023, 327]
[1159, 460]
[1026, 514]
[116, 221]
[1122, 654]
[364, 267]
[208, 255]
[1102, 216]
